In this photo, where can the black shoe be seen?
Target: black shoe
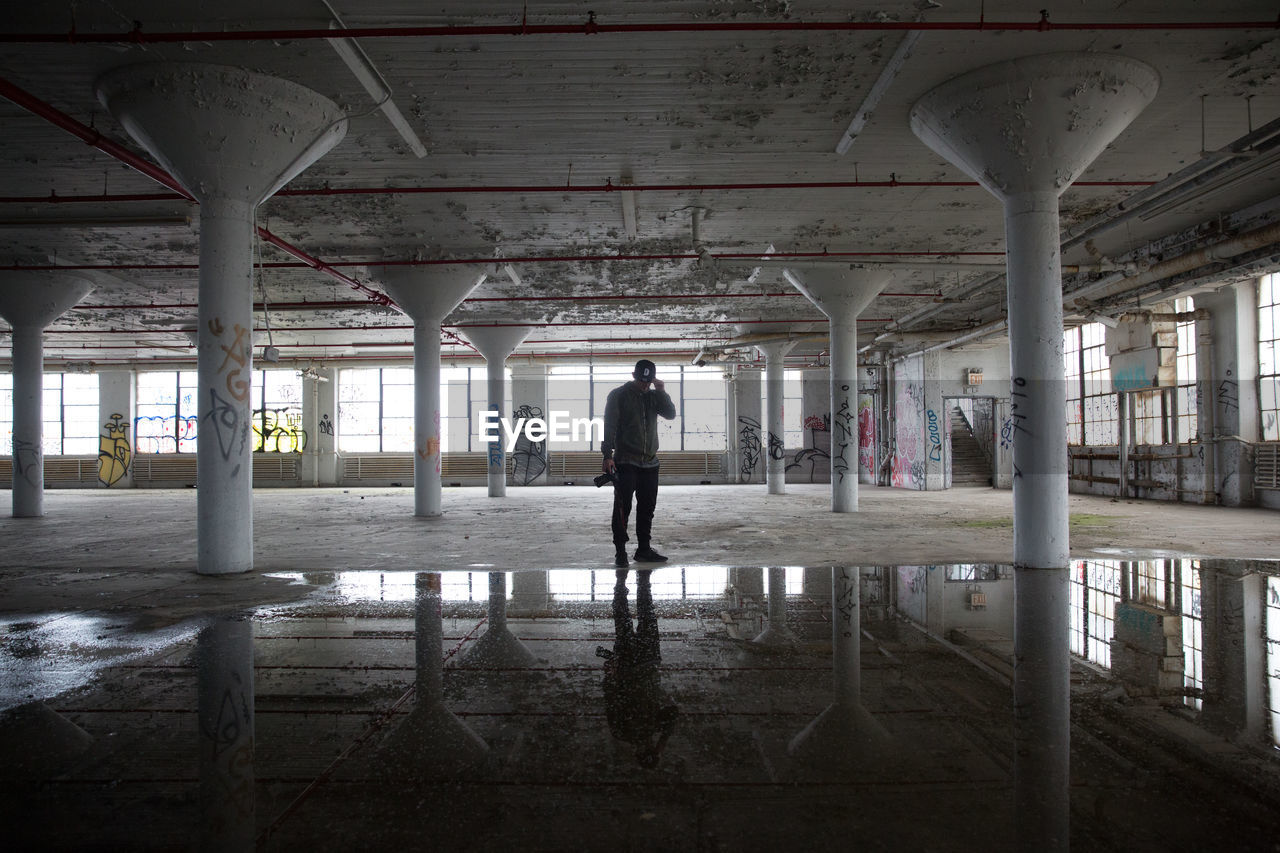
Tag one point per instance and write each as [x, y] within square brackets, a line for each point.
[648, 555]
[620, 560]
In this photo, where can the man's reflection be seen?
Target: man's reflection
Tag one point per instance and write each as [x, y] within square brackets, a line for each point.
[639, 711]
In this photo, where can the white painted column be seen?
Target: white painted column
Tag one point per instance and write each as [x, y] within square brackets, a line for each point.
[497, 646]
[529, 398]
[30, 302]
[774, 438]
[777, 633]
[1025, 130]
[530, 593]
[495, 343]
[748, 428]
[327, 428]
[117, 409]
[231, 137]
[224, 450]
[1233, 388]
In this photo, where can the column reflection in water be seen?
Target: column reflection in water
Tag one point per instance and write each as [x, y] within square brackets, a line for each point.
[224, 709]
[845, 732]
[497, 646]
[431, 742]
[639, 711]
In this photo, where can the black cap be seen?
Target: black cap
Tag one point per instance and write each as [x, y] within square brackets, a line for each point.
[645, 370]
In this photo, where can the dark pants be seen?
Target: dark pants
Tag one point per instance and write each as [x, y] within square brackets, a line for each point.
[638, 645]
[643, 483]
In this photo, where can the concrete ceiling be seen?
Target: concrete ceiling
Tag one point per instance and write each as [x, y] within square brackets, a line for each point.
[528, 134]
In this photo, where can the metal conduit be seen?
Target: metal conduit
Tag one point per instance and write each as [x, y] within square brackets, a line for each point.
[590, 26]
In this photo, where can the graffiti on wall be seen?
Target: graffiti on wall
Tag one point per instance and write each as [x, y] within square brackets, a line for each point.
[815, 456]
[278, 431]
[842, 434]
[935, 437]
[529, 457]
[114, 453]
[155, 434]
[749, 447]
[326, 425]
[866, 439]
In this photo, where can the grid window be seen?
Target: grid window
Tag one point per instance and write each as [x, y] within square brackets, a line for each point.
[360, 410]
[397, 410]
[1100, 407]
[1149, 424]
[1095, 589]
[1192, 631]
[1149, 583]
[1273, 657]
[703, 408]
[79, 421]
[973, 572]
[793, 580]
[455, 404]
[1185, 394]
[792, 405]
[1268, 373]
[277, 412]
[570, 389]
[1075, 405]
[166, 420]
[6, 414]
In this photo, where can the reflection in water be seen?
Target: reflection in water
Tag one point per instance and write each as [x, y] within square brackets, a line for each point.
[638, 709]
[344, 722]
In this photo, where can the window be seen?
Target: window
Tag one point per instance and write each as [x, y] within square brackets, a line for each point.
[792, 404]
[1185, 397]
[360, 410]
[1192, 631]
[6, 414]
[1075, 405]
[973, 572]
[570, 389]
[70, 408]
[166, 420]
[1268, 374]
[793, 580]
[277, 412]
[455, 408]
[1095, 589]
[703, 408]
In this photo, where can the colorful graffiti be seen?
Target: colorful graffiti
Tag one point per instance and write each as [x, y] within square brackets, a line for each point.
[227, 417]
[114, 453]
[278, 431]
[171, 434]
[908, 466]
[866, 439]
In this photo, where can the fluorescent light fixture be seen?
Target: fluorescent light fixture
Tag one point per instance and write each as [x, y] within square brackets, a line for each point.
[365, 72]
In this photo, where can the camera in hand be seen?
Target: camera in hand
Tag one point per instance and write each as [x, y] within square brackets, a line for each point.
[606, 477]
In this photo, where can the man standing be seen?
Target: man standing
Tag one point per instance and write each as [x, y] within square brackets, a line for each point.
[630, 449]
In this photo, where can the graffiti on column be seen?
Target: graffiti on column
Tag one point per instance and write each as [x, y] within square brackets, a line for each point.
[841, 432]
[846, 604]
[818, 433]
[748, 445]
[278, 431]
[232, 752]
[777, 450]
[230, 427]
[529, 457]
[27, 460]
[935, 438]
[1229, 393]
[114, 453]
[496, 457]
[326, 425]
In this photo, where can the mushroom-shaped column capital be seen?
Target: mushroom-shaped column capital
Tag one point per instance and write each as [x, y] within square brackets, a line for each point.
[34, 299]
[840, 292]
[430, 292]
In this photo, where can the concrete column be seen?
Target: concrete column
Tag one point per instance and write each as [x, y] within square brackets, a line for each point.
[530, 593]
[776, 633]
[1025, 129]
[845, 733]
[326, 437]
[117, 408]
[529, 400]
[747, 580]
[232, 138]
[1235, 653]
[774, 438]
[431, 742]
[495, 343]
[427, 294]
[30, 302]
[1233, 388]
[224, 713]
[497, 646]
[841, 293]
[937, 424]
[748, 429]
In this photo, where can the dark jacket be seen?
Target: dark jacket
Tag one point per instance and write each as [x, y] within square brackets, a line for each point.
[631, 423]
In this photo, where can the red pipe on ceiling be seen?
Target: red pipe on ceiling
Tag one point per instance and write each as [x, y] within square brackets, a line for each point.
[592, 27]
[607, 187]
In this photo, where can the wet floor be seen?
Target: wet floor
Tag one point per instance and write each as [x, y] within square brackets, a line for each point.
[564, 710]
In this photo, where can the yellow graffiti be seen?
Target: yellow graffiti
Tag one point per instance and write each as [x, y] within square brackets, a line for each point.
[114, 452]
[278, 431]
